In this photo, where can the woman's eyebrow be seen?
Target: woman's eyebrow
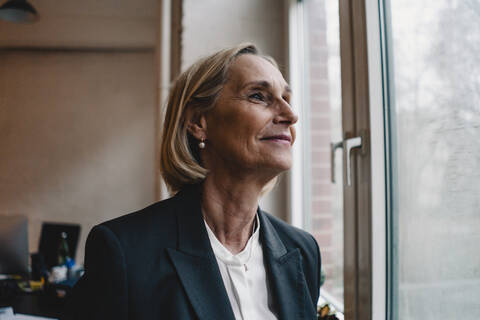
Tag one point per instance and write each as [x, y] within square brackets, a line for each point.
[265, 84]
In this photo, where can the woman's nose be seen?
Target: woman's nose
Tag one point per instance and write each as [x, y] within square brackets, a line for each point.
[286, 114]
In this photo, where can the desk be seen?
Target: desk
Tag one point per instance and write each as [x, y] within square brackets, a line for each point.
[38, 304]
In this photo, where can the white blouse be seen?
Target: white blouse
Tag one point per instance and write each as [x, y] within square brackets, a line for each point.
[244, 277]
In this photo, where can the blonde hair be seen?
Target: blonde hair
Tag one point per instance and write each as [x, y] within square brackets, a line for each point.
[198, 88]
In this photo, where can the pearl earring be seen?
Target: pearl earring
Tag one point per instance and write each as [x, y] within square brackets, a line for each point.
[201, 144]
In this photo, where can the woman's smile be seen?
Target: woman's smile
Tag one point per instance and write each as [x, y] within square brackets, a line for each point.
[282, 139]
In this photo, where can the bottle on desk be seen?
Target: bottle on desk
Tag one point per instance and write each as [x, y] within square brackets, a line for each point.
[63, 270]
[63, 253]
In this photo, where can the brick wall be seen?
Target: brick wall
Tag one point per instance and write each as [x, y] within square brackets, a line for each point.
[324, 226]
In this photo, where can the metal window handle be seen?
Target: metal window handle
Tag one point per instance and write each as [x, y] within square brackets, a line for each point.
[347, 145]
[333, 148]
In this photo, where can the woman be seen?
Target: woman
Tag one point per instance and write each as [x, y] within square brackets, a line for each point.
[209, 252]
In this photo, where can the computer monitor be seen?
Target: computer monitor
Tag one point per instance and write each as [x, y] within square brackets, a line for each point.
[13, 245]
[50, 239]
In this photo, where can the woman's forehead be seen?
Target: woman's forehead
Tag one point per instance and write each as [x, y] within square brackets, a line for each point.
[250, 68]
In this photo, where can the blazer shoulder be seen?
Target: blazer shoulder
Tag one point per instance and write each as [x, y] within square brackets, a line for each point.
[157, 222]
[163, 208]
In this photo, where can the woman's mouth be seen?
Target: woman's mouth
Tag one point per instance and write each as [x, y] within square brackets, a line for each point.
[284, 139]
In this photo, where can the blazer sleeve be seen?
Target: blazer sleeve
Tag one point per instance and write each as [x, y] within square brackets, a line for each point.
[318, 271]
[101, 293]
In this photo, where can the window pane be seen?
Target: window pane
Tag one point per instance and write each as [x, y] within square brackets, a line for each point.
[436, 109]
[324, 109]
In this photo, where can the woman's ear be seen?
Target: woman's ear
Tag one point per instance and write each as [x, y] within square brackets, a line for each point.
[196, 124]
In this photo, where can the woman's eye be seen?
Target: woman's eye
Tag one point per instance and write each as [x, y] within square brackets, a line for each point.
[257, 96]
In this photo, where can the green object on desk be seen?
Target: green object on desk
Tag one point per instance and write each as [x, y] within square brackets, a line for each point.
[63, 253]
[322, 278]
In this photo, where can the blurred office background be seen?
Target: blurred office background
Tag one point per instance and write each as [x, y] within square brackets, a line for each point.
[81, 96]
[81, 92]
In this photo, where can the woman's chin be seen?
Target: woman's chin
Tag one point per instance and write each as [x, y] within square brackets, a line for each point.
[278, 166]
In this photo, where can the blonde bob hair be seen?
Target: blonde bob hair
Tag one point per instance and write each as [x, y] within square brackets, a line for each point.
[197, 88]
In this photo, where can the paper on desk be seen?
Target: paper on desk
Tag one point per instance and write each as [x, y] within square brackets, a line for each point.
[19, 316]
[7, 314]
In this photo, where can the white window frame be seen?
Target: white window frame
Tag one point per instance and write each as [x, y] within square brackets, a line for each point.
[298, 191]
[378, 111]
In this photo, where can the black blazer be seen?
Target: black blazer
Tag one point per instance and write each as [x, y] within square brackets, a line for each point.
[157, 263]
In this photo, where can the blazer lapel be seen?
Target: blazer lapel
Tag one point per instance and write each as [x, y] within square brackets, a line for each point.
[284, 272]
[195, 261]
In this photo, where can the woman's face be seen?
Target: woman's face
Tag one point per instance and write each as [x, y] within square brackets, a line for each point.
[251, 126]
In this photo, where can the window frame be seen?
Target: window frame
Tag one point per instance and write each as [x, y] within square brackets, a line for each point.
[365, 106]
[381, 184]
[297, 191]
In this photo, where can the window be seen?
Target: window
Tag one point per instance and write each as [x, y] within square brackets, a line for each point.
[434, 128]
[404, 243]
[323, 90]
[315, 55]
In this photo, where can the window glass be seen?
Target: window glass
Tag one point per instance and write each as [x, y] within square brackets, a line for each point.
[321, 29]
[435, 50]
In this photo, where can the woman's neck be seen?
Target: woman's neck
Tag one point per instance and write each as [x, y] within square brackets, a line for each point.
[229, 208]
